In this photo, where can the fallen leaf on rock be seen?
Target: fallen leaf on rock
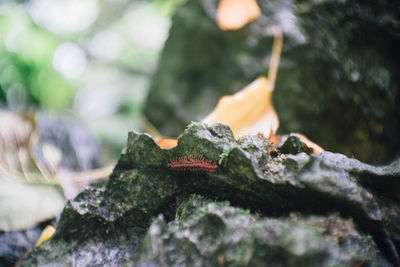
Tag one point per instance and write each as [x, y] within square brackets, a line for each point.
[234, 14]
[166, 143]
[250, 111]
[150, 128]
[313, 146]
[274, 140]
[277, 140]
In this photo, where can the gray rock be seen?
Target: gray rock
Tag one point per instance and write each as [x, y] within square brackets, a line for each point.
[208, 233]
[106, 224]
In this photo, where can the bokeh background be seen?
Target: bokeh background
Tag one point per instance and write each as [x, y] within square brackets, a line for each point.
[99, 62]
[91, 60]
[74, 76]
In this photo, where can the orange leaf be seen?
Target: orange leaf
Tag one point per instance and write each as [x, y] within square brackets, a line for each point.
[166, 143]
[234, 14]
[277, 140]
[314, 147]
[163, 143]
[274, 140]
[249, 111]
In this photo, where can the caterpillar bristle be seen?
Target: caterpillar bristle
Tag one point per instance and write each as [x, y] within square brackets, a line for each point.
[192, 164]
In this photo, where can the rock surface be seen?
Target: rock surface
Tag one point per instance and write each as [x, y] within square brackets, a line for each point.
[286, 208]
[207, 233]
[338, 79]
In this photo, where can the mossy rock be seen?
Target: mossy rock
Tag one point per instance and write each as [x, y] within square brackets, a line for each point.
[112, 223]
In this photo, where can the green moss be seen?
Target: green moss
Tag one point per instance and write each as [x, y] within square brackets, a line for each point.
[195, 227]
[225, 154]
[215, 230]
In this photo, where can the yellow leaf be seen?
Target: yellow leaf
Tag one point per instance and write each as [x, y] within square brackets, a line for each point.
[166, 143]
[310, 144]
[234, 14]
[47, 232]
[251, 111]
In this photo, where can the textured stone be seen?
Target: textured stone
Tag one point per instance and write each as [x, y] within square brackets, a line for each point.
[105, 225]
[207, 233]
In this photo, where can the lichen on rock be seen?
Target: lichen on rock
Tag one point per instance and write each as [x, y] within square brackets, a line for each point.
[216, 234]
[297, 206]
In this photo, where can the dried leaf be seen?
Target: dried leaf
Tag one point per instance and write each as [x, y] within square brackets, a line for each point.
[310, 147]
[166, 143]
[150, 128]
[313, 146]
[274, 140]
[24, 205]
[46, 234]
[234, 14]
[249, 111]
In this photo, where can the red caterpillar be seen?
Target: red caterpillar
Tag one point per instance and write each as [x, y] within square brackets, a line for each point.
[192, 164]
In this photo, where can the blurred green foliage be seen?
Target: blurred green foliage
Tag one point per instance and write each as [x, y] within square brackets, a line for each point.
[105, 32]
[27, 77]
[88, 59]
